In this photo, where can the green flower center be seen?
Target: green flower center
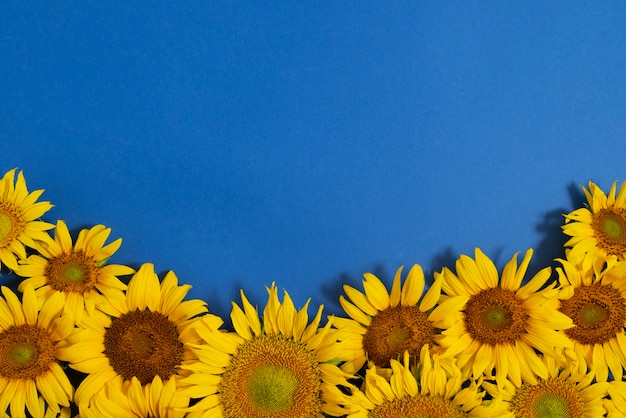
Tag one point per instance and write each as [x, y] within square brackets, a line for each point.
[23, 354]
[497, 318]
[26, 352]
[553, 398]
[593, 315]
[598, 312]
[609, 226]
[613, 228]
[272, 388]
[396, 330]
[271, 376]
[75, 273]
[551, 405]
[398, 338]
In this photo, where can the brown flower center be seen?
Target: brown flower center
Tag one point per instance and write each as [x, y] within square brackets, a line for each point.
[271, 376]
[11, 224]
[495, 316]
[548, 399]
[609, 226]
[598, 312]
[72, 272]
[419, 406]
[395, 330]
[143, 344]
[26, 351]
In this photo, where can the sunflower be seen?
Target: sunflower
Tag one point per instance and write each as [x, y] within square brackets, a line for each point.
[76, 271]
[496, 323]
[562, 393]
[616, 405]
[598, 230]
[31, 379]
[130, 402]
[596, 303]
[19, 210]
[435, 389]
[383, 325]
[280, 367]
[144, 336]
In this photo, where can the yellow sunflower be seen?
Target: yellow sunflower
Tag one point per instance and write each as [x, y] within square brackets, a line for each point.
[383, 324]
[76, 271]
[19, 210]
[31, 379]
[616, 405]
[596, 303]
[436, 389]
[280, 367]
[146, 335]
[496, 323]
[598, 230]
[562, 393]
[131, 402]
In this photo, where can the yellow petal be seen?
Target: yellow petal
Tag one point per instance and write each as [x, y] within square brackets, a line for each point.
[413, 286]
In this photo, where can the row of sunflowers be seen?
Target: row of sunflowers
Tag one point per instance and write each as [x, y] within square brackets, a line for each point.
[82, 337]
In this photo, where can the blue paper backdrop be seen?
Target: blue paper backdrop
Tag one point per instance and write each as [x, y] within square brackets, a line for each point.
[240, 143]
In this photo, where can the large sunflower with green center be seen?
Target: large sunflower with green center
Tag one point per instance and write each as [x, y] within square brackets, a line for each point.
[436, 388]
[144, 334]
[31, 379]
[19, 211]
[598, 230]
[493, 322]
[596, 303]
[77, 271]
[384, 324]
[563, 393]
[280, 367]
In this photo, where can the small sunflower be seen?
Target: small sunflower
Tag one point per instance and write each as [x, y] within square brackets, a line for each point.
[435, 389]
[130, 403]
[496, 323]
[280, 367]
[563, 393]
[19, 211]
[76, 271]
[596, 303]
[31, 379]
[598, 230]
[144, 336]
[384, 325]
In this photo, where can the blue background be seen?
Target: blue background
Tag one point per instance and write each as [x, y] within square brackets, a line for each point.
[240, 143]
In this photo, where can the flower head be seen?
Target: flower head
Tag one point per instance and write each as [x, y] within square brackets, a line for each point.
[280, 367]
[144, 336]
[434, 389]
[384, 324]
[493, 322]
[596, 303]
[598, 230]
[19, 211]
[77, 271]
[30, 377]
[562, 393]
